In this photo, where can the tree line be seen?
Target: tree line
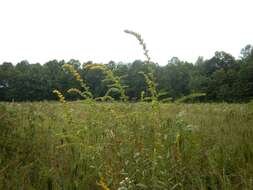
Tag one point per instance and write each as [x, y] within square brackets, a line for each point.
[221, 78]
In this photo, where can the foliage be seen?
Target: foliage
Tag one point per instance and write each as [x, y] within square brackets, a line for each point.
[221, 78]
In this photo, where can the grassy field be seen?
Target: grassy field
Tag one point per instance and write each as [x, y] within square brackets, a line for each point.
[121, 146]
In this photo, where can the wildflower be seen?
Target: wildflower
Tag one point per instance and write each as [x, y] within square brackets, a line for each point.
[102, 184]
[125, 184]
[141, 41]
[77, 76]
[86, 93]
[116, 85]
[60, 96]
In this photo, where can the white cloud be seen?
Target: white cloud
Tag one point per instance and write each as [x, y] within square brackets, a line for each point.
[40, 30]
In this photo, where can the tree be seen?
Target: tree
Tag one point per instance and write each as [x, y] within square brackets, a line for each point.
[6, 76]
[174, 78]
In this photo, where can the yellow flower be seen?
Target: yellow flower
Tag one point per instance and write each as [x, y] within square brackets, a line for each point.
[60, 96]
[102, 184]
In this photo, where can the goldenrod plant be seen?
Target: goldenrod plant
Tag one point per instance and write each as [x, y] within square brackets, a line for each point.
[85, 93]
[115, 82]
[141, 41]
[149, 77]
[103, 184]
[60, 96]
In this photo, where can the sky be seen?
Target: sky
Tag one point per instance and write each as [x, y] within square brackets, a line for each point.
[43, 30]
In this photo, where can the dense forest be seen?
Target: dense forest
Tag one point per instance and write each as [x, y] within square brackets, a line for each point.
[220, 78]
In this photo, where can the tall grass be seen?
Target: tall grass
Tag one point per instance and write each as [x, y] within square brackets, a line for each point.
[43, 148]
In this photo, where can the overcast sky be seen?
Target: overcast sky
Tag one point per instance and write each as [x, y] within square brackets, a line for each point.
[42, 30]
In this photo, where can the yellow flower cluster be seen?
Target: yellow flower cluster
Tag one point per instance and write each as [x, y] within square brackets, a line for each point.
[102, 184]
[60, 96]
[74, 90]
[94, 66]
[109, 76]
[72, 70]
[141, 41]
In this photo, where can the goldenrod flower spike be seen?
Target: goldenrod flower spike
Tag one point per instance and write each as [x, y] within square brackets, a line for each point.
[102, 184]
[86, 93]
[141, 41]
[60, 96]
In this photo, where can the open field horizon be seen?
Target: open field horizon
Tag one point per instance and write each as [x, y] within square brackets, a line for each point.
[172, 113]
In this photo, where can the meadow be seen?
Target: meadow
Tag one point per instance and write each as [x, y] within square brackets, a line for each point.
[125, 146]
[113, 141]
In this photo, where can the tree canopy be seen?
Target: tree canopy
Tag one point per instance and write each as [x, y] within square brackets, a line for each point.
[221, 78]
